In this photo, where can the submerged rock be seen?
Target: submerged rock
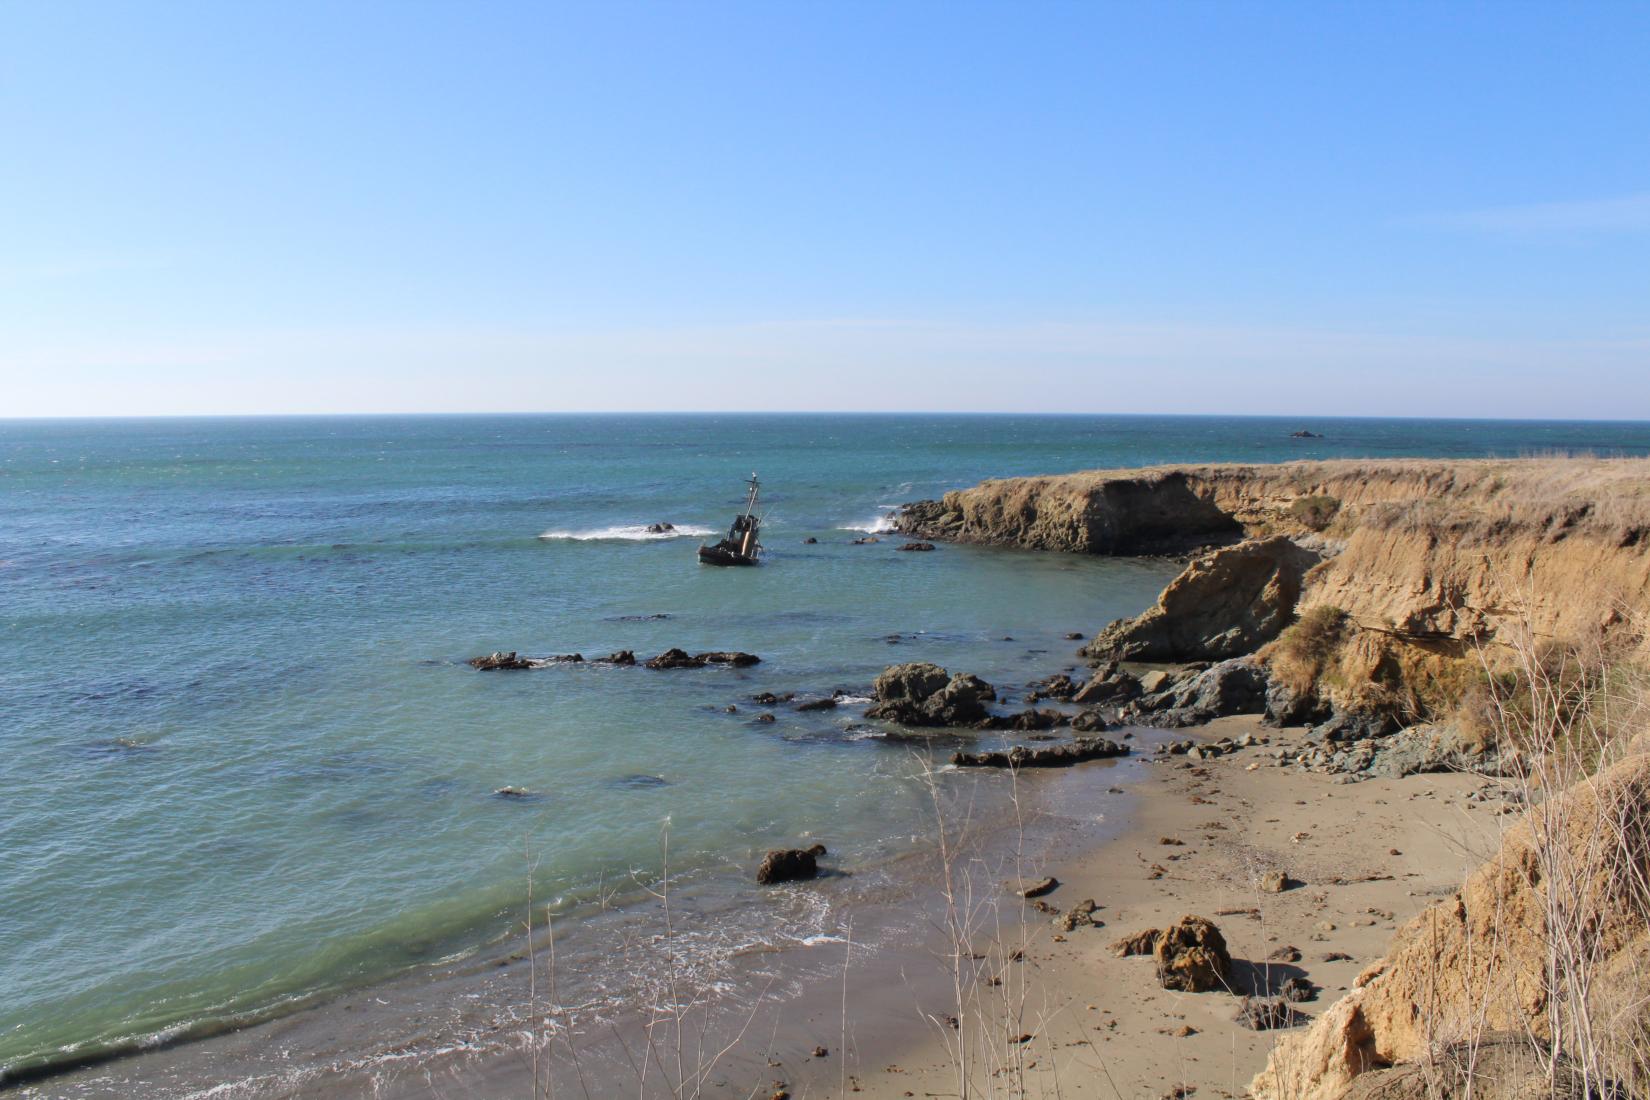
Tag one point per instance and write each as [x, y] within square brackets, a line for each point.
[818, 704]
[1052, 756]
[789, 865]
[660, 528]
[921, 546]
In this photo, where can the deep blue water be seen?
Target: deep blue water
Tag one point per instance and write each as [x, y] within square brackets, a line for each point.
[242, 762]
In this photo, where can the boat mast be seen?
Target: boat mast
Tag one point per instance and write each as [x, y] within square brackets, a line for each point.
[750, 502]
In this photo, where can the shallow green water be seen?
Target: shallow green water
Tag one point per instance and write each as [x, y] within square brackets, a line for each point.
[241, 760]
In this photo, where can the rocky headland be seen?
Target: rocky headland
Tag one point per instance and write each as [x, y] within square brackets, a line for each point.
[1389, 618]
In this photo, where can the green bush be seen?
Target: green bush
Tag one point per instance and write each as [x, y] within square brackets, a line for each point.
[1315, 512]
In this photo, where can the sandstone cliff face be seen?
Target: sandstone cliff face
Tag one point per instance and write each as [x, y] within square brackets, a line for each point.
[1554, 922]
[1226, 604]
[1430, 553]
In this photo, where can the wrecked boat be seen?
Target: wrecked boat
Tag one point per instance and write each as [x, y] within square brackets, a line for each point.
[742, 545]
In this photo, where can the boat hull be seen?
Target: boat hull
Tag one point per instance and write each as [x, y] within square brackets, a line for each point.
[715, 555]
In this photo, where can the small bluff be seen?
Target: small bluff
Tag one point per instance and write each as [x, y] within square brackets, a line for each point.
[1412, 566]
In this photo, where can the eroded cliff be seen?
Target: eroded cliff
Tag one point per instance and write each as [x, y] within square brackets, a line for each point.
[1430, 563]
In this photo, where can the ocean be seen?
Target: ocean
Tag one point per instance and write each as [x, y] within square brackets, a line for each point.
[244, 767]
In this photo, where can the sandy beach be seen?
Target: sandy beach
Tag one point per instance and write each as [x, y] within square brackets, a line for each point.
[1366, 856]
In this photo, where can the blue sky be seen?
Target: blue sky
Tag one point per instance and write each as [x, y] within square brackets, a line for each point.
[1382, 209]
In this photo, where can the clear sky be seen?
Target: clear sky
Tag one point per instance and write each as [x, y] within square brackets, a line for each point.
[283, 206]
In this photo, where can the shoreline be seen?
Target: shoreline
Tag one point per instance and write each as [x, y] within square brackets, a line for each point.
[871, 999]
[388, 1038]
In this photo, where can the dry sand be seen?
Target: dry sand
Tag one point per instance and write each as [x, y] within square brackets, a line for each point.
[1367, 856]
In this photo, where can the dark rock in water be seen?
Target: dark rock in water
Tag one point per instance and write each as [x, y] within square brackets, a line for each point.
[1074, 636]
[809, 541]
[1191, 956]
[920, 546]
[1053, 756]
[560, 659]
[638, 782]
[660, 528]
[514, 792]
[1089, 721]
[817, 704]
[494, 662]
[678, 658]
[1058, 686]
[1038, 889]
[730, 709]
[866, 540]
[1304, 434]
[728, 657]
[639, 618]
[622, 657]
[769, 699]
[923, 694]
[789, 865]
[1266, 1013]
[1026, 720]
[765, 718]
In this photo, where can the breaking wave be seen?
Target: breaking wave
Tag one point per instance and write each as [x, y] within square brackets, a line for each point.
[879, 525]
[636, 532]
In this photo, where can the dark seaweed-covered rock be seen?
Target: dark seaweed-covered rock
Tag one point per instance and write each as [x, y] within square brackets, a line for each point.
[1051, 756]
[495, 662]
[817, 704]
[1191, 956]
[922, 694]
[918, 546]
[769, 699]
[677, 658]
[789, 865]
[623, 657]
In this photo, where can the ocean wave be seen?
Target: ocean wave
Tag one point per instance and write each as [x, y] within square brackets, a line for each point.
[879, 525]
[636, 532]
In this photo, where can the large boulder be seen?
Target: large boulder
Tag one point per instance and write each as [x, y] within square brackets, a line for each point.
[1231, 687]
[1225, 604]
[923, 694]
[1191, 956]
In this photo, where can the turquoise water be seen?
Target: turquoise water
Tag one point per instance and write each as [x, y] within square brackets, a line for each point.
[242, 761]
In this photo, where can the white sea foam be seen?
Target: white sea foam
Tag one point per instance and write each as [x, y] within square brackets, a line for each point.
[852, 700]
[880, 524]
[636, 532]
